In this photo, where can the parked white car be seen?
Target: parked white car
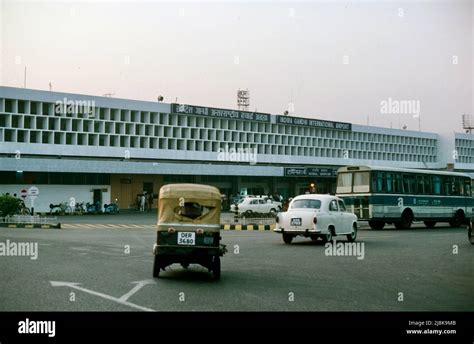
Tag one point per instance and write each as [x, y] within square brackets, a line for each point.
[250, 205]
[316, 216]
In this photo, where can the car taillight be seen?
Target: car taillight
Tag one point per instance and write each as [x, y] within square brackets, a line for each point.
[315, 220]
[171, 230]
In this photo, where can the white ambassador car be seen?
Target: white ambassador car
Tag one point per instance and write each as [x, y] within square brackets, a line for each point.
[316, 216]
[250, 205]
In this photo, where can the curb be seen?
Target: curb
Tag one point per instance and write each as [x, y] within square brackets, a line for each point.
[248, 227]
[29, 225]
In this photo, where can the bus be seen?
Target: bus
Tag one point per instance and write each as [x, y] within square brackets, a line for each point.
[399, 196]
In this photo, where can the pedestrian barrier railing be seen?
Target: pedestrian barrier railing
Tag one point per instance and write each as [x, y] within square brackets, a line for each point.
[29, 219]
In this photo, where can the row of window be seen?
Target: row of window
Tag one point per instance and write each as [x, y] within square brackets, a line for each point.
[137, 141]
[420, 184]
[403, 183]
[267, 133]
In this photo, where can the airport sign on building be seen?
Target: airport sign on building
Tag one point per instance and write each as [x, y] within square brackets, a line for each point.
[219, 113]
[309, 172]
[308, 122]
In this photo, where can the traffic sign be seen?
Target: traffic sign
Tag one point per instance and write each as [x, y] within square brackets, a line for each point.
[23, 193]
[33, 192]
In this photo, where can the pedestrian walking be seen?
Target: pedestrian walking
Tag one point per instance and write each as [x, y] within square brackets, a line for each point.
[142, 203]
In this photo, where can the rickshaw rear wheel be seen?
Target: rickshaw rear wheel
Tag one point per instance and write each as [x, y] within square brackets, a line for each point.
[156, 267]
[216, 267]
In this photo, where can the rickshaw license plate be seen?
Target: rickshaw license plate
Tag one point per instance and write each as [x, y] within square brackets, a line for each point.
[296, 221]
[186, 238]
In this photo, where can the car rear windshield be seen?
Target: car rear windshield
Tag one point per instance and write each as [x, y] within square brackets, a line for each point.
[306, 203]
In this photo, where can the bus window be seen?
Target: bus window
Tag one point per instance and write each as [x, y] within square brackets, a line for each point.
[428, 186]
[409, 184]
[361, 182]
[420, 184]
[447, 186]
[455, 186]
[390, 182]
[377, 182]
[344, 183]
[398, 186]
[461, 186]
[467, 187]
[437, 185]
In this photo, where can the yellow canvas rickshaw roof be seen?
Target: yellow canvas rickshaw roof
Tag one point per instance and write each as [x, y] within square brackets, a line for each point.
[190, 191]
[171, 196]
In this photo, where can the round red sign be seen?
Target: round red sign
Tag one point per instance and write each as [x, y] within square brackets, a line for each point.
[23, 193]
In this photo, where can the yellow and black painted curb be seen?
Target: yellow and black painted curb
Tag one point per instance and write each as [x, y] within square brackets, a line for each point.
[226, 227]
[247, 227]
[29, 225]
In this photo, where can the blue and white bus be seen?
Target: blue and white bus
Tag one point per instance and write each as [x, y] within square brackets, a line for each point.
[383, 195]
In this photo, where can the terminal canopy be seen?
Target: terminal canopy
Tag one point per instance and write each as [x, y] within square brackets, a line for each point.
[191, 203]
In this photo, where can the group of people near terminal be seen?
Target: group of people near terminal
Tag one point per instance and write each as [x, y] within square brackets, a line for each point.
[145, 201]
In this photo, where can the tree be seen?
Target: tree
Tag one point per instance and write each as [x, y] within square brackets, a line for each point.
[9, 205]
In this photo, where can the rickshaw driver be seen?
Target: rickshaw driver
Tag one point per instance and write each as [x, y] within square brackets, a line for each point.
[191, 210]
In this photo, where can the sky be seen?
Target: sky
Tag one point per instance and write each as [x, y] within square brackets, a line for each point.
[335, 60]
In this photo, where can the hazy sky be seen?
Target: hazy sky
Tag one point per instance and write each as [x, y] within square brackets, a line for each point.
[283, 52]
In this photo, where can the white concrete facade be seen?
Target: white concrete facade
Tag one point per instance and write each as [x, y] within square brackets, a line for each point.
[55, 194]
[149, 137]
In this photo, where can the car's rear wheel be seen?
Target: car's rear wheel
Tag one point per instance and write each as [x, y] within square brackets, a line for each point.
[156, 267]
[328, 236]
[352, 237]
[430, 224]
[216, 267]
[273, 212]
[287, 238]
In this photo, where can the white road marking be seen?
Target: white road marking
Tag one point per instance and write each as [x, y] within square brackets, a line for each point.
[139, 285]
[104, 296]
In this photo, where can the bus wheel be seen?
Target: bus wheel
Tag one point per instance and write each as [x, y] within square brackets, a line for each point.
[376, 224]
[430, 224]
[405, 220]
[458, 219]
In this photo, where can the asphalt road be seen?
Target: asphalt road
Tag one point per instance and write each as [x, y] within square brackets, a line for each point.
[264, 274]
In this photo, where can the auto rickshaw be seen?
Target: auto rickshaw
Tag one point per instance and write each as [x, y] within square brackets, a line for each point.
[189, 228]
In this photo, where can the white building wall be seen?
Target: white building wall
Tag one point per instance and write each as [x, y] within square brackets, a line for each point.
[55, 194]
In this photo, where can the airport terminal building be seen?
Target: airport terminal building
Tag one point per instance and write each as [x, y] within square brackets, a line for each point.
[100, 149]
